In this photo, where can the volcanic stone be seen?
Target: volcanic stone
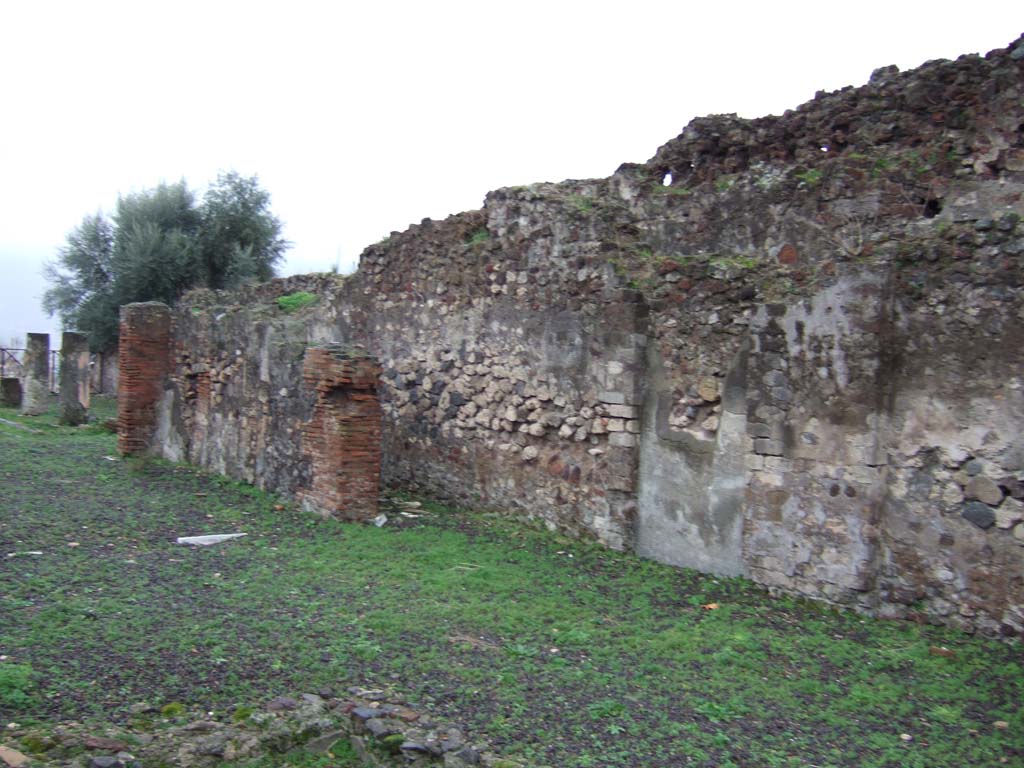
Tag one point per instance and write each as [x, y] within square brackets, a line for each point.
[979, 514]
[983, 489]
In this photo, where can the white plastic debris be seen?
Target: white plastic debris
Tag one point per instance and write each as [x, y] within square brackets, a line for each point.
[208, 540]
[380, 519]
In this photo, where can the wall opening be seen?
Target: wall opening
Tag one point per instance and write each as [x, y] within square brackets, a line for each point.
[932, 208]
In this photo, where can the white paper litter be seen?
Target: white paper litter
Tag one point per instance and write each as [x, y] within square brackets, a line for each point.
[206, 541]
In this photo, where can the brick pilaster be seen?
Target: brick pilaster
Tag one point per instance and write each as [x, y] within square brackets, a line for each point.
[343, 438]
[144, 362]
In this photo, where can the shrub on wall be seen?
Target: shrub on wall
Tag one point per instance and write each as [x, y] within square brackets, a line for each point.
[295, 301]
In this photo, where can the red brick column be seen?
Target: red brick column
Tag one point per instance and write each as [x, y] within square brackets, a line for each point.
[144, 362]
[343, 438]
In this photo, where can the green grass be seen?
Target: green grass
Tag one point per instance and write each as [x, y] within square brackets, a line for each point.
[733, 262]
[597, 659]
[582, 204]
[16, 685]
[725, 183]
[341, 756]
[810, 176]
[296, 301]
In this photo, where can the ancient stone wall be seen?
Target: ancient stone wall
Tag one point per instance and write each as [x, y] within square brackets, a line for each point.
[236, 401]
[510, 353]
[786, 348]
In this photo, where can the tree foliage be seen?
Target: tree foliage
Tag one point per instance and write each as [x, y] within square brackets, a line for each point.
[240, 240]
[158, 244]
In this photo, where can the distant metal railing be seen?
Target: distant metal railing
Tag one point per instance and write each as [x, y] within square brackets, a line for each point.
[12, 364]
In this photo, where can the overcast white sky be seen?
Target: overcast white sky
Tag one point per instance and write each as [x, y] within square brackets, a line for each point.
[361, 118]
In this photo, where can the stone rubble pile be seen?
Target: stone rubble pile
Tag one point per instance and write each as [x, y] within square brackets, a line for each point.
[382, 732]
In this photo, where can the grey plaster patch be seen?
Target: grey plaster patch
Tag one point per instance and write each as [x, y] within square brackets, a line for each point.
[690, 503]
[168, 436]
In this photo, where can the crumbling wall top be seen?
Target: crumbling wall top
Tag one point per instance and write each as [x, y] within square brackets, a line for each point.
[319, 283]
[959, 103]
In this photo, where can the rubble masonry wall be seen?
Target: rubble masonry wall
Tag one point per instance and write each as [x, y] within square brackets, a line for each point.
[786, 348]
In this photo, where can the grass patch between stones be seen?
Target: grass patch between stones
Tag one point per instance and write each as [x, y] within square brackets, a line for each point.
[296, 301]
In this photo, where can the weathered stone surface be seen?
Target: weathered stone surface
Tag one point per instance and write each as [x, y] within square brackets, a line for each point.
[104, 743]
[322, 744]
[784, 365]
[980, 514]
[35, 389]
[12, 758]
[710, 424]
[10, 392]
[380, 727]
[74, 379]
[707, 389]
[768, 447]
[622, 411]
[1009, 513]
[309, 723]
[983, 489]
